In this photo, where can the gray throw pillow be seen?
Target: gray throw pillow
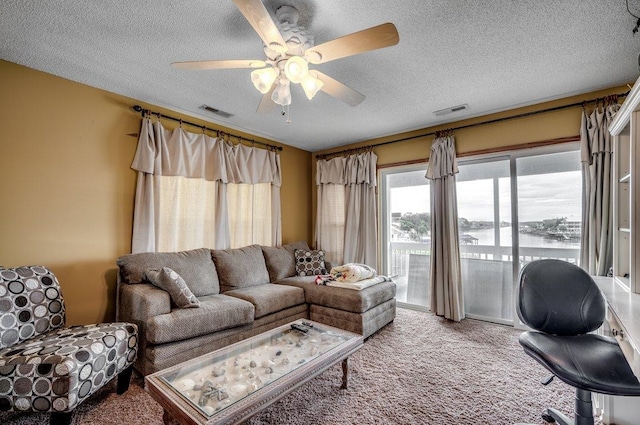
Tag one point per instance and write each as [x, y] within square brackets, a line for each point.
[167, 279]
[280, 260]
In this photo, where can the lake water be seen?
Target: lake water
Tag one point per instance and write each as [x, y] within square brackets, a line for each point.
[487, 237]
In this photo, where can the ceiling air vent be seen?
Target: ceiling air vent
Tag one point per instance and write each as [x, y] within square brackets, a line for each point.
[451, 110]
[216, 111]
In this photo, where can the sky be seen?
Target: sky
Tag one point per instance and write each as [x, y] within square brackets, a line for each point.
[540, 196]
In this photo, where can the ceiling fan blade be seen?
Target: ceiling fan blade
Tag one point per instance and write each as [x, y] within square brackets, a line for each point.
[221, 64]
[266, 103]
[340, 91]
[259, 18]
[377, 37]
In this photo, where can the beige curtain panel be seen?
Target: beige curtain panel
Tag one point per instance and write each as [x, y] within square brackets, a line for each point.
[184, 177]
[346, 213]
[446, 275]
[596, 148]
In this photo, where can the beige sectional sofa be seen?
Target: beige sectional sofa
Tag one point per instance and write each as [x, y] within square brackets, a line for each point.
[241, 292]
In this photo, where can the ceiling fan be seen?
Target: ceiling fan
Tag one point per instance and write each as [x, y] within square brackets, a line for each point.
[289, 50]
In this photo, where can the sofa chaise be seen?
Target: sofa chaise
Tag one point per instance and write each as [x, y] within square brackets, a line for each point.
[239, 293]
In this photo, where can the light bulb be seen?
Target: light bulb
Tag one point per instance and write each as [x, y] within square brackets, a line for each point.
[311, 85]
[263, 78]
[282, 94]
[296, 69]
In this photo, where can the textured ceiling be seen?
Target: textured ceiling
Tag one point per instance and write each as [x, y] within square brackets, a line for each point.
[492, 55]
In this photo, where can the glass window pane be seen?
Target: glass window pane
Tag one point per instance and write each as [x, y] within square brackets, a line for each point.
[406, 233]
[484, 217]
[550, 206]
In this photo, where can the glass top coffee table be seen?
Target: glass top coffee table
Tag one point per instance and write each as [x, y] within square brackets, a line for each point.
[232, 384]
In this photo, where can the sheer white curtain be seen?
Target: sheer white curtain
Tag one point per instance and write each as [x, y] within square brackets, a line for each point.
[446, 275]
[183, 189]
[346, 212]
[254, 225]
[596, 146]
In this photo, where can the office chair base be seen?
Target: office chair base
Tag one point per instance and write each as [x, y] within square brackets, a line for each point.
[555, 416]
[583, 411]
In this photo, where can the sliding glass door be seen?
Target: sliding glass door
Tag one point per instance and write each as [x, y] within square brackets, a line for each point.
[525, 206]
[406, 232]
[486, 249]
[512, 209]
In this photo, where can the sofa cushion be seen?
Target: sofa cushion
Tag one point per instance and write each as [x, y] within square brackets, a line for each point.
[310, 263]
[269, 298]
[195, 267]
[216, 313]
[281, 261]
[240, 267]
[342, 298]
[167, 279]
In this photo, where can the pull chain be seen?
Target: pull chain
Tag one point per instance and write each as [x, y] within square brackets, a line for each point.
[286, 113]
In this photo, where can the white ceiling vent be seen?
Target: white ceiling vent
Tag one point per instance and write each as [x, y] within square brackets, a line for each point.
[216, 111]
[451, 110]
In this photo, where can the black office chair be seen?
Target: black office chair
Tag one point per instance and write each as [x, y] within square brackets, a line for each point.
[562, 304]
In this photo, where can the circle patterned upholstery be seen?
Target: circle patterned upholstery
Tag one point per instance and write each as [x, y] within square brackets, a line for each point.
[45, 366]
[58, 370]
[310, 263]
[30, 304]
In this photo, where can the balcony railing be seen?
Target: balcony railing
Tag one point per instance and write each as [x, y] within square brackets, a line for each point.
[398, 259]
[487, 274]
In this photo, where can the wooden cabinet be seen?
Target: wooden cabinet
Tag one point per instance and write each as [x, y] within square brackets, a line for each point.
[623, 323]
[625, 129]
[623, 292]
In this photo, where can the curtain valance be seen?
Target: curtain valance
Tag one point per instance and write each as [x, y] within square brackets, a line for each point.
[352, 169]
[595, 137]
[161, 152]
[442, 161]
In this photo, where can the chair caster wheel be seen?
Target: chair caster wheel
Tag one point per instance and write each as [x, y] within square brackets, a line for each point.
[548, 418]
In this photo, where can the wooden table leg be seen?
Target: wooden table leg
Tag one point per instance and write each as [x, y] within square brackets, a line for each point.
[168, 419]
[345, 373]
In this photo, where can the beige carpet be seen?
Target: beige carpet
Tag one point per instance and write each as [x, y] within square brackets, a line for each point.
[421, 369]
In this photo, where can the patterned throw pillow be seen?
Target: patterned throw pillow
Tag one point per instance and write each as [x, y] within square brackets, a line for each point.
[167, 279]
[310, 263]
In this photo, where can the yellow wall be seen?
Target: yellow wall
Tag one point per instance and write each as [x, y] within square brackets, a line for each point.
[67, 189]
[534, 128]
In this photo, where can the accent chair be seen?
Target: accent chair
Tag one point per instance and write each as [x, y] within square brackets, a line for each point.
[45, 366]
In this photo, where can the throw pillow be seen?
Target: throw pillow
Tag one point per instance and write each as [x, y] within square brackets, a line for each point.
[167, 279]
[310, 263]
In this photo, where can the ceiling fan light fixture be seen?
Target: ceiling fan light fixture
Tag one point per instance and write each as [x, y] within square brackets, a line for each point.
[257, 64]
[277, 47]
[313, 56]
[282, 94]
[296, 68]
[263, 78]
[311, 85]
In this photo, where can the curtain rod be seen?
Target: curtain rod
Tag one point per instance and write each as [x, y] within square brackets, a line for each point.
[525, 114]
[144, 112]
